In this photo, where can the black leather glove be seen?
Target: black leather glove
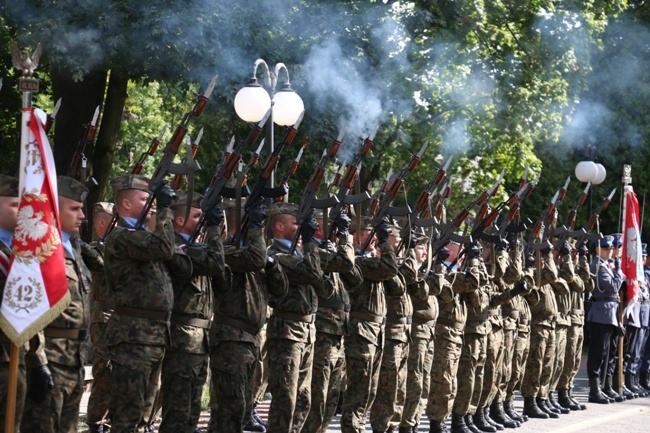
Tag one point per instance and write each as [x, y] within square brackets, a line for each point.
[530, 261]
[39, 383]
[521, 287]
[342, 221]
[503, 245]
[270, 263]
[214, 217]
[165, 196]
[410, 241]
[256, 216]
[308, 230]
[474, 251]
[442, 254]
[565, 248]
[545, 248]
[383, 232]
[583, 250]
[620, 330]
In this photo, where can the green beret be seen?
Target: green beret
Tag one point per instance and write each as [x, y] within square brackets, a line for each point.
[130, 181]
[72, 188]
[182, 197]
[103, 206]
[8, 186]
[365, 224]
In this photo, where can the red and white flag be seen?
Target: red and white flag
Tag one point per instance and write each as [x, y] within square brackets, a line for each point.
[632, 262]
[36, 291]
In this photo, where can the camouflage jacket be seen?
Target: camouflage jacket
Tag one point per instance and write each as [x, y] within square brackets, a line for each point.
[579, 285]
[332, 315]
[138, 266]
[194, 297]
[561, 288]
[399, 310]
[541, 299]
[244, 303]
[477, 301]
[294, 313]
[100, 305]
[449, 288]
[72, 352]
[425, 304]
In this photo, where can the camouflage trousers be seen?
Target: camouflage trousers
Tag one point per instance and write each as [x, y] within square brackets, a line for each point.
[20, 394]
[136, 369]
[363, 361]
[386, 411]
[327, 378]
[519, 359]
[470, 382]
[290, 364]
[233, 365]
[509, 338]
[261, 378]
[572, 356]
[417, 380]
[539, 366]
[493, 367]
[181, 386]
[560, 354]
[444, 378]
[100, 391]
[59, 412]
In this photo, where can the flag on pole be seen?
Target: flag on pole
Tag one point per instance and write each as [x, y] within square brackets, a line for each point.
[632, 262]
[36, 291]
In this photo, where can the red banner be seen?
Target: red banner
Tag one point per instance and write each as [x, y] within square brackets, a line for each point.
[632, 263]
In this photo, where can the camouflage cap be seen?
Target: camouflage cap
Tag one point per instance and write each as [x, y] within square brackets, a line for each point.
[71, 188]
[130, 181]
[280, 208]
[8, 186]
[365, 224]
[103, 206]
[182, 197]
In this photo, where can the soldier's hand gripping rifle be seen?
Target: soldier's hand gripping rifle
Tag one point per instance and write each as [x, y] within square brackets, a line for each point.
[79, 166]
[345, 185]
[223, 173]
[588, 236]
[166, 165]
[260, 189]
[309, 200]
[385, 206]
[566, 231]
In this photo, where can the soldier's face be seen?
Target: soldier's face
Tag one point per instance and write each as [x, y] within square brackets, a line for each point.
[421, 253]
[8, 213]
[71, 215]
[136, 201]
[192, 220]
[394, 239]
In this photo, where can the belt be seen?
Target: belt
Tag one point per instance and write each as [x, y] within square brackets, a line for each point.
[606, 298]
[423, 321]
[141, 313]
[514, 314]
[307, 318]
[577, 312]
[236, 323]
[368, 317]
[339, 306]
[494, 312]
[191, 321]
[477, 318]
[69, 333]
[406, 320]
[451, 323]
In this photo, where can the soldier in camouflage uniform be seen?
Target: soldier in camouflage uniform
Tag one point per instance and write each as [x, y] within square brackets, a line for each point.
[425, 313]
[291, 330]
[8, 216]
[386, 410]
[185, 366]
[580, 284]
[364, 344]
[100, 311]
[328, 371]
[240, 313]
[138, 267]
[66, 338]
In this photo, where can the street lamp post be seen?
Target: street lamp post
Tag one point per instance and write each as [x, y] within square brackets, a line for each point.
[590, 171]
[254, 100]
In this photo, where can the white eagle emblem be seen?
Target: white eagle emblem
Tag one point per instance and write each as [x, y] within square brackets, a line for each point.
[30, 225]
[632, 241]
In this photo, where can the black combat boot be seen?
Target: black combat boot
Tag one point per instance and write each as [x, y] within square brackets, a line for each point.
[434, 427]
[469, 422]
[576, 402]
[609, 391]
[630, 383]
[458, 424]
[596, 395]
[564, 400]
[532, 410]
[488, 418]
[552, 402]
[509, 410]
[637, 383]
[625, 391]
[256, 416]
[644, 380]
[254, 426]
[498, 415]
[481, 423]
[542, 404]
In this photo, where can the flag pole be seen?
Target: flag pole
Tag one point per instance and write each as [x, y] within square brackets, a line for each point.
[627, 180]
[27, 85]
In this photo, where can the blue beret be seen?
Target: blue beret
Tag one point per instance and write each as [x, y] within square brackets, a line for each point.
[606, 242]
[618, 240]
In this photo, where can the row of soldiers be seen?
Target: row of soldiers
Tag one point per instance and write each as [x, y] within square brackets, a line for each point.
[389, 332]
